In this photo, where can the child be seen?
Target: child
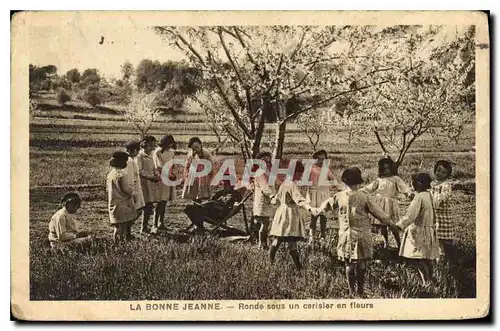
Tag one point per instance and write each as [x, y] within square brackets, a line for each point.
[132, 170]
[288, 223]
[441, 192]
[355, 245]
[164, 153]
[316, 194]
[63, 228]
[217, 207]
[386, 188]
[150, 180]
[121, 205]
[262, 208]
[200, 189]
[419, 243]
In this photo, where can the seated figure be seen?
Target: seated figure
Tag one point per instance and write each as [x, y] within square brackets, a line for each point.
[217, 207]
[63, 227]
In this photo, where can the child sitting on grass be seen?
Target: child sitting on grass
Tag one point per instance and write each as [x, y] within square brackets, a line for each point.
[419, 242]
[121, 205]
[355, 244]
[63, 227]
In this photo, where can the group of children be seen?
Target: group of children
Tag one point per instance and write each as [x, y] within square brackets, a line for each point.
[427, 228]
[135, 187]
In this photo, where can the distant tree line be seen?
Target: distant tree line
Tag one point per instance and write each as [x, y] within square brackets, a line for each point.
[171, 81]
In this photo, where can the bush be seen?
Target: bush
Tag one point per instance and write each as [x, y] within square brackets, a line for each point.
[63, 96]
[94, 97]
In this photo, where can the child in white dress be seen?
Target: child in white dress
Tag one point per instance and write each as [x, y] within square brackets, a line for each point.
[419, 243]
[200, 188]
[386, 189]
[133, 148]
[150, 180]
[317, 193]
[121, 205]
[262, 208]
[288, 224]
[355, 244]
[63, 227]
[163, 154]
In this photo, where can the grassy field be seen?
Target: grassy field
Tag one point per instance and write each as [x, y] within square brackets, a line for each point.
[68, 151]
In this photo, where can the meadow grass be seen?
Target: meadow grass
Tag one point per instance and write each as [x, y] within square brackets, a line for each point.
[206, 267]
[75, 152]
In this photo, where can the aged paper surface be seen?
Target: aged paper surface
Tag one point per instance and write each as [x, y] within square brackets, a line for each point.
[39, 37]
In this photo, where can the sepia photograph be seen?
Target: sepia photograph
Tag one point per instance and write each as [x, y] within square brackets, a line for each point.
[207, 166]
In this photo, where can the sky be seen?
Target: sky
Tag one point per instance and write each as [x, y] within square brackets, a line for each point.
[73, 46]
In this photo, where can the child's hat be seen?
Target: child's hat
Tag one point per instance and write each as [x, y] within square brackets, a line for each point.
[352, 176]
[120, 156]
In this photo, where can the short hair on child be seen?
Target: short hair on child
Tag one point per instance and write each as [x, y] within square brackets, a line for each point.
[318, 153]
[167, 141]
[445, 164]
[194, 140]
[119, 160]
[421, 181]
[352, 176]
[71, 197]
[390, 162]
[133, 145]
[146, 140]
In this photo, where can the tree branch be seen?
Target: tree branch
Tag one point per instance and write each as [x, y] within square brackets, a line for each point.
[380, 141]
[228, 103]
[295, 114]
[292, 56]
[229, 57]
[185, 42]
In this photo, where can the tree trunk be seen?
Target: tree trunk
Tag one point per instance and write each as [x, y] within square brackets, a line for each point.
[259, 132]
[279, 140]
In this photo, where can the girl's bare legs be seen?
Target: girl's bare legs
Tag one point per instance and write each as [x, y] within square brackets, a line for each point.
[274, 248]
[160, 215]
[128, 234]
[263, 230]
[430, 269]
[120, 233]
[351, 276]
[322, 225]
[147, 212]
[360, 275]
[312, 228]
[385, 234]
[292, 247]
[423, 270]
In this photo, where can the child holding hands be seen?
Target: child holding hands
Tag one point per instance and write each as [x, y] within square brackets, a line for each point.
[355, 245]
[288, 224]
[419, 243]
[441, 189]
[386, 189]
